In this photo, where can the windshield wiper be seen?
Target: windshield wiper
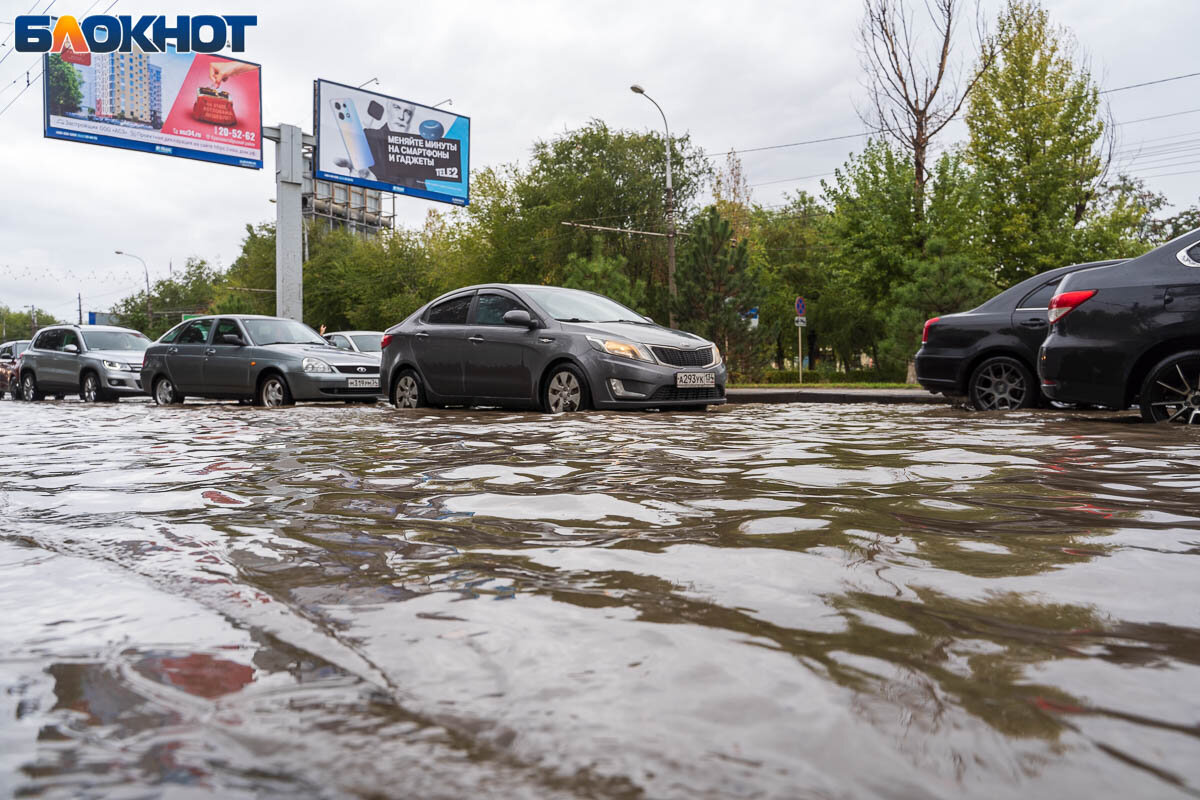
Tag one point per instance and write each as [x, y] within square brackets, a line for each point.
[573, 319]
[632, 321]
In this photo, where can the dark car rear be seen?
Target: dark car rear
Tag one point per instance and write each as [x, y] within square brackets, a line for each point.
[989, 354]
[1130, 333]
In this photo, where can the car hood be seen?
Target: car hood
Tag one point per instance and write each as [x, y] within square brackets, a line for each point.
[124, 356]
[643, 334]
[330, 355]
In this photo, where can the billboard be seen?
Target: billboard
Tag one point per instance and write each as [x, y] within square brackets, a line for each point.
[191, 105]
[380, 142]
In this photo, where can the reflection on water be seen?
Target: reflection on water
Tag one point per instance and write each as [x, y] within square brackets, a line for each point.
[776, 601]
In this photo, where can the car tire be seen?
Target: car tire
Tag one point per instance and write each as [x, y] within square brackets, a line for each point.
[1002, 383]
[91, 390]
[29, 390]
[165, 393]
[408, 391]
[1171, 391]
[564, 390]
[273, 392]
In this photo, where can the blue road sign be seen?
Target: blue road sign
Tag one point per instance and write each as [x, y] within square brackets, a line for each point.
[800, 306]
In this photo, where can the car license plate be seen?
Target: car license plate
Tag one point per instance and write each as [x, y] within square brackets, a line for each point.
[362, 383]
[695, 379]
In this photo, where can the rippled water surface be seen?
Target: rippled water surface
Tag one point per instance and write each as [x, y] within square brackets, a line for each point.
[761, 601]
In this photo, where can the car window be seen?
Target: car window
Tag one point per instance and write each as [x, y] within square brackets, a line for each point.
[340, 342]
[369, 342]
[115, 340]
[573, 305]
[170, 336]
[6, 352]
[196, 333]
[226, 327]
[69, 337]
[1039, 298]
[452, 311]
[47, 340]
[491, 308]
[282, 331]
[21, 347]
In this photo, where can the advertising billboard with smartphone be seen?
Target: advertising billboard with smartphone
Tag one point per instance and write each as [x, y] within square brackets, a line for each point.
[191, 105]
[380, 142]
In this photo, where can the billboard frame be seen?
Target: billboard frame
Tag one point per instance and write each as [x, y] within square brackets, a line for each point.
[383, 186]
[117, 143]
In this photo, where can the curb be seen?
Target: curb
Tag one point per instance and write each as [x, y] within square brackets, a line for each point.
[877, 396]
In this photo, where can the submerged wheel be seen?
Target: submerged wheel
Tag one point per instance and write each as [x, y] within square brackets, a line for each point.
[564, 391]
[1171, 392]
[408, 391]
[165, 393]
[29, 390]
[1002, 384]
[273, 392]
[92, 391]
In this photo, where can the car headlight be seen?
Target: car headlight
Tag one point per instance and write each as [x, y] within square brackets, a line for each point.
[115, 365]
[619, 348]
[316, 365]
[716, 354]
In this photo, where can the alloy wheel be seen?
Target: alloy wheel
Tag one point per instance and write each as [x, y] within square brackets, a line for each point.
[999, 387]
[1173, 397]
[407, 392]
[91, 389]
[272, 393]
[564, 392]
[164, 392]
[29, 388]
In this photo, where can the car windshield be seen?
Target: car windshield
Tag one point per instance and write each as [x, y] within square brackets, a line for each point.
[115, 340]
[282, 331]
[368, 342]
[572, 305]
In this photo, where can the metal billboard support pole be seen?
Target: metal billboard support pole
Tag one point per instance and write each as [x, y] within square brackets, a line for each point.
[289, 226]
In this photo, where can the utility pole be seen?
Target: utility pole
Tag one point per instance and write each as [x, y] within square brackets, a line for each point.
[32, 320]
[289, 224]
[636, 89]
[80, 298]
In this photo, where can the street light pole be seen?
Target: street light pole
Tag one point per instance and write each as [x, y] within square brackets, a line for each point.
[636, 89]
[149, 315]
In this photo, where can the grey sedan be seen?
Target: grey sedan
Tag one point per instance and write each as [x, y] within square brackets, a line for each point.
[271, 361]
[545, 347]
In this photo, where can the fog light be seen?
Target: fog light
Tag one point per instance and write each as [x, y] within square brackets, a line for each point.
[619, 390]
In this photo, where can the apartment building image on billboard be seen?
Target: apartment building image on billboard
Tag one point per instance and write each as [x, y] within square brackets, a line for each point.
[123, 87]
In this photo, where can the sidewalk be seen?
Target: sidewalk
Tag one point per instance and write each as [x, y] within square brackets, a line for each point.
[817, 395]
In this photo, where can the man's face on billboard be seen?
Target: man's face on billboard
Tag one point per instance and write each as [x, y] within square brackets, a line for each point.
[399, 116]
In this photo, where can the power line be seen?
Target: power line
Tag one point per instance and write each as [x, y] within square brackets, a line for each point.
[14, 30]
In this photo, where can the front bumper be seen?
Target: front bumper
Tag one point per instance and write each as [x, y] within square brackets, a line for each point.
[124, 382]
[330, 386]
[644, 385]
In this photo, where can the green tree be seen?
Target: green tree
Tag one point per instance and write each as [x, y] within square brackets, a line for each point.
[18, 323]
[63, 86]
[716, 287]
[190, 292]
[603, 274]
[1036, 141]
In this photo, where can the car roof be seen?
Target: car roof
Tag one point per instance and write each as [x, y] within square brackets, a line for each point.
[1016, 292]
[75, 327]
[12, 341]
[351, 333]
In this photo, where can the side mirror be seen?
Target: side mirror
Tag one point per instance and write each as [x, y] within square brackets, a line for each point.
[72, 349]
[648, 319]
[519, 316]
[232, 338]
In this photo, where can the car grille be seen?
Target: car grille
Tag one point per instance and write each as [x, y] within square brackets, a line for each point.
[353, 369]
[684, 358]
[667, 393]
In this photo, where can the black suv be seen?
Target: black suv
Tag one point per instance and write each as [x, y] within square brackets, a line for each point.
[1130, 333]
[989, 354]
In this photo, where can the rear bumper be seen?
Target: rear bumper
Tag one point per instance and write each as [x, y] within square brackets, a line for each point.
[937, 372]
[1079, 371]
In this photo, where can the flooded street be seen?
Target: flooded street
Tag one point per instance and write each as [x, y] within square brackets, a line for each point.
[760, 601]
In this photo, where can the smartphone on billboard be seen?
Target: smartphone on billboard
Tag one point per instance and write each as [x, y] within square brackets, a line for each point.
[352, 134]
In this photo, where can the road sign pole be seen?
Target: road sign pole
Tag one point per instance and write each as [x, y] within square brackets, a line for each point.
[800, 351]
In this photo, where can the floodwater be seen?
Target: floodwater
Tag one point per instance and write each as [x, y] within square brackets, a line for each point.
[761, 601]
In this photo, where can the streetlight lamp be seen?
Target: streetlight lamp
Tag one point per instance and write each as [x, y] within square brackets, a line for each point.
[149, 316]
[636, 89]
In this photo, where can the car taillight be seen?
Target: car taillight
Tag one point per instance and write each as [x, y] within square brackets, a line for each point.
[925, 332]
[385, 341]
[1065, 303]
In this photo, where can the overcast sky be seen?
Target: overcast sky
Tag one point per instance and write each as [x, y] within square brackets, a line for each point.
[737, 75]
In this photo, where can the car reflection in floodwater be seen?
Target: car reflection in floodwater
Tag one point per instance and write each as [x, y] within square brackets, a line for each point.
[761, 601]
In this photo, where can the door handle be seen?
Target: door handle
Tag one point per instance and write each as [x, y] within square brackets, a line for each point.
[212, 351]
[1034, 322]
[1168, 298]
[172, 349]
[421, 335]
[474, 338]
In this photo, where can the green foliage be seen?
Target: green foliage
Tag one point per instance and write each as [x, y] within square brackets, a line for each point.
[715, 288]
[190, 292]
[63, 86]
[18, 323]
[604, 275]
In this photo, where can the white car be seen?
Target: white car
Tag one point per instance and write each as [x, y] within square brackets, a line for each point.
[365, 342]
